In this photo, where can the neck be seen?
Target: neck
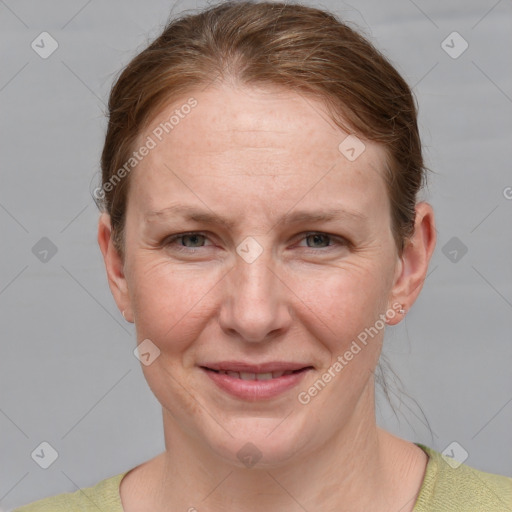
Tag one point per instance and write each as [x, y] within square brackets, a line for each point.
[356, 468]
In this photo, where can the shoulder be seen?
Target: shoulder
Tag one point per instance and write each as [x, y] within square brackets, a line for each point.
[452, 487]
[103, 496]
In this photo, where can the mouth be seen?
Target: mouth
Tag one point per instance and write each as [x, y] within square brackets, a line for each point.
[261, 376]
[255, 382]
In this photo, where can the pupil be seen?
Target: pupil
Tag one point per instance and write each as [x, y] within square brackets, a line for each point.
[192, 237]
[317, 237]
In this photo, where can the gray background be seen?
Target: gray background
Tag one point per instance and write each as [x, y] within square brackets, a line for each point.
[68, 375]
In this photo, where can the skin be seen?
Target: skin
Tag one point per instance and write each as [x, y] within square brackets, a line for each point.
[252, 155]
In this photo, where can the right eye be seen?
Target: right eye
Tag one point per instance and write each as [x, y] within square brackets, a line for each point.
[194, 237]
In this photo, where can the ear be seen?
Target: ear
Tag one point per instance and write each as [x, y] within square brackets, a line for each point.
[413, 267]
[114, 267]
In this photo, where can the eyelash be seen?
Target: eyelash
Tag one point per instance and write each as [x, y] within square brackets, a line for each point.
[191, 250]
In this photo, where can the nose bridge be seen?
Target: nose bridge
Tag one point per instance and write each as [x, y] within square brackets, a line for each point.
[255, 304]
[255, 278]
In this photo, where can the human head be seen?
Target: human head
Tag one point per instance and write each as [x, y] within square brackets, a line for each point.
[219, 66]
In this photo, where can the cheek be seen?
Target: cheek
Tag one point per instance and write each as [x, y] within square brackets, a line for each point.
[341, 314]
[341, 300]
[171, 303]
[171, 307]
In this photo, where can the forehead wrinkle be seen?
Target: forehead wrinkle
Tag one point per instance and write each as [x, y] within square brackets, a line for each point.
[192, 213]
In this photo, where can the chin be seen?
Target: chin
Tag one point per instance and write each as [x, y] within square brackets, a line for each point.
[257, 443]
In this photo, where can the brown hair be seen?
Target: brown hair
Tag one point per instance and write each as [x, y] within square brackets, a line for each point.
[295, 46]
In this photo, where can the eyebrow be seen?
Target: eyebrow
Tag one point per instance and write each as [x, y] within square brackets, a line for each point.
[191, 213]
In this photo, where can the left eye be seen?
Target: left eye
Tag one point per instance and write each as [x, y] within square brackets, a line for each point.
[318, 238]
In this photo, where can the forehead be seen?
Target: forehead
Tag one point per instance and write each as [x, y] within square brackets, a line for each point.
[254, 142]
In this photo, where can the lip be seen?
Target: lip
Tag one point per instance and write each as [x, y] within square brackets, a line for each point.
[254, 390]
[271, 366]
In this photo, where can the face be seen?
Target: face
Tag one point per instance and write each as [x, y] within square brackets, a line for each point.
[254, 246]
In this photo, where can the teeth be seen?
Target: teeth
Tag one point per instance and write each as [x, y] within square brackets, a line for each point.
[264, 376]
[255, 376]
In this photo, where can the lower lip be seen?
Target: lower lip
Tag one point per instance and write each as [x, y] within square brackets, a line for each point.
[256, 389]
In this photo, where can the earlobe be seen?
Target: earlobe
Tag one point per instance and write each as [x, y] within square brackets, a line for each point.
[415, 259]
[114, 266]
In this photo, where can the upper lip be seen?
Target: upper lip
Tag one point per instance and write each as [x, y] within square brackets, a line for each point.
[241, 366]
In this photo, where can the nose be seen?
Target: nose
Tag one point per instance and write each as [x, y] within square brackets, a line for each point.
[256, 304]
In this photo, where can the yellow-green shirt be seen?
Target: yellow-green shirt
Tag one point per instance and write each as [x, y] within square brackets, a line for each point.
[444, 489]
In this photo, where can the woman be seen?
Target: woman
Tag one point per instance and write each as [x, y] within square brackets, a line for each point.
[260, 228]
